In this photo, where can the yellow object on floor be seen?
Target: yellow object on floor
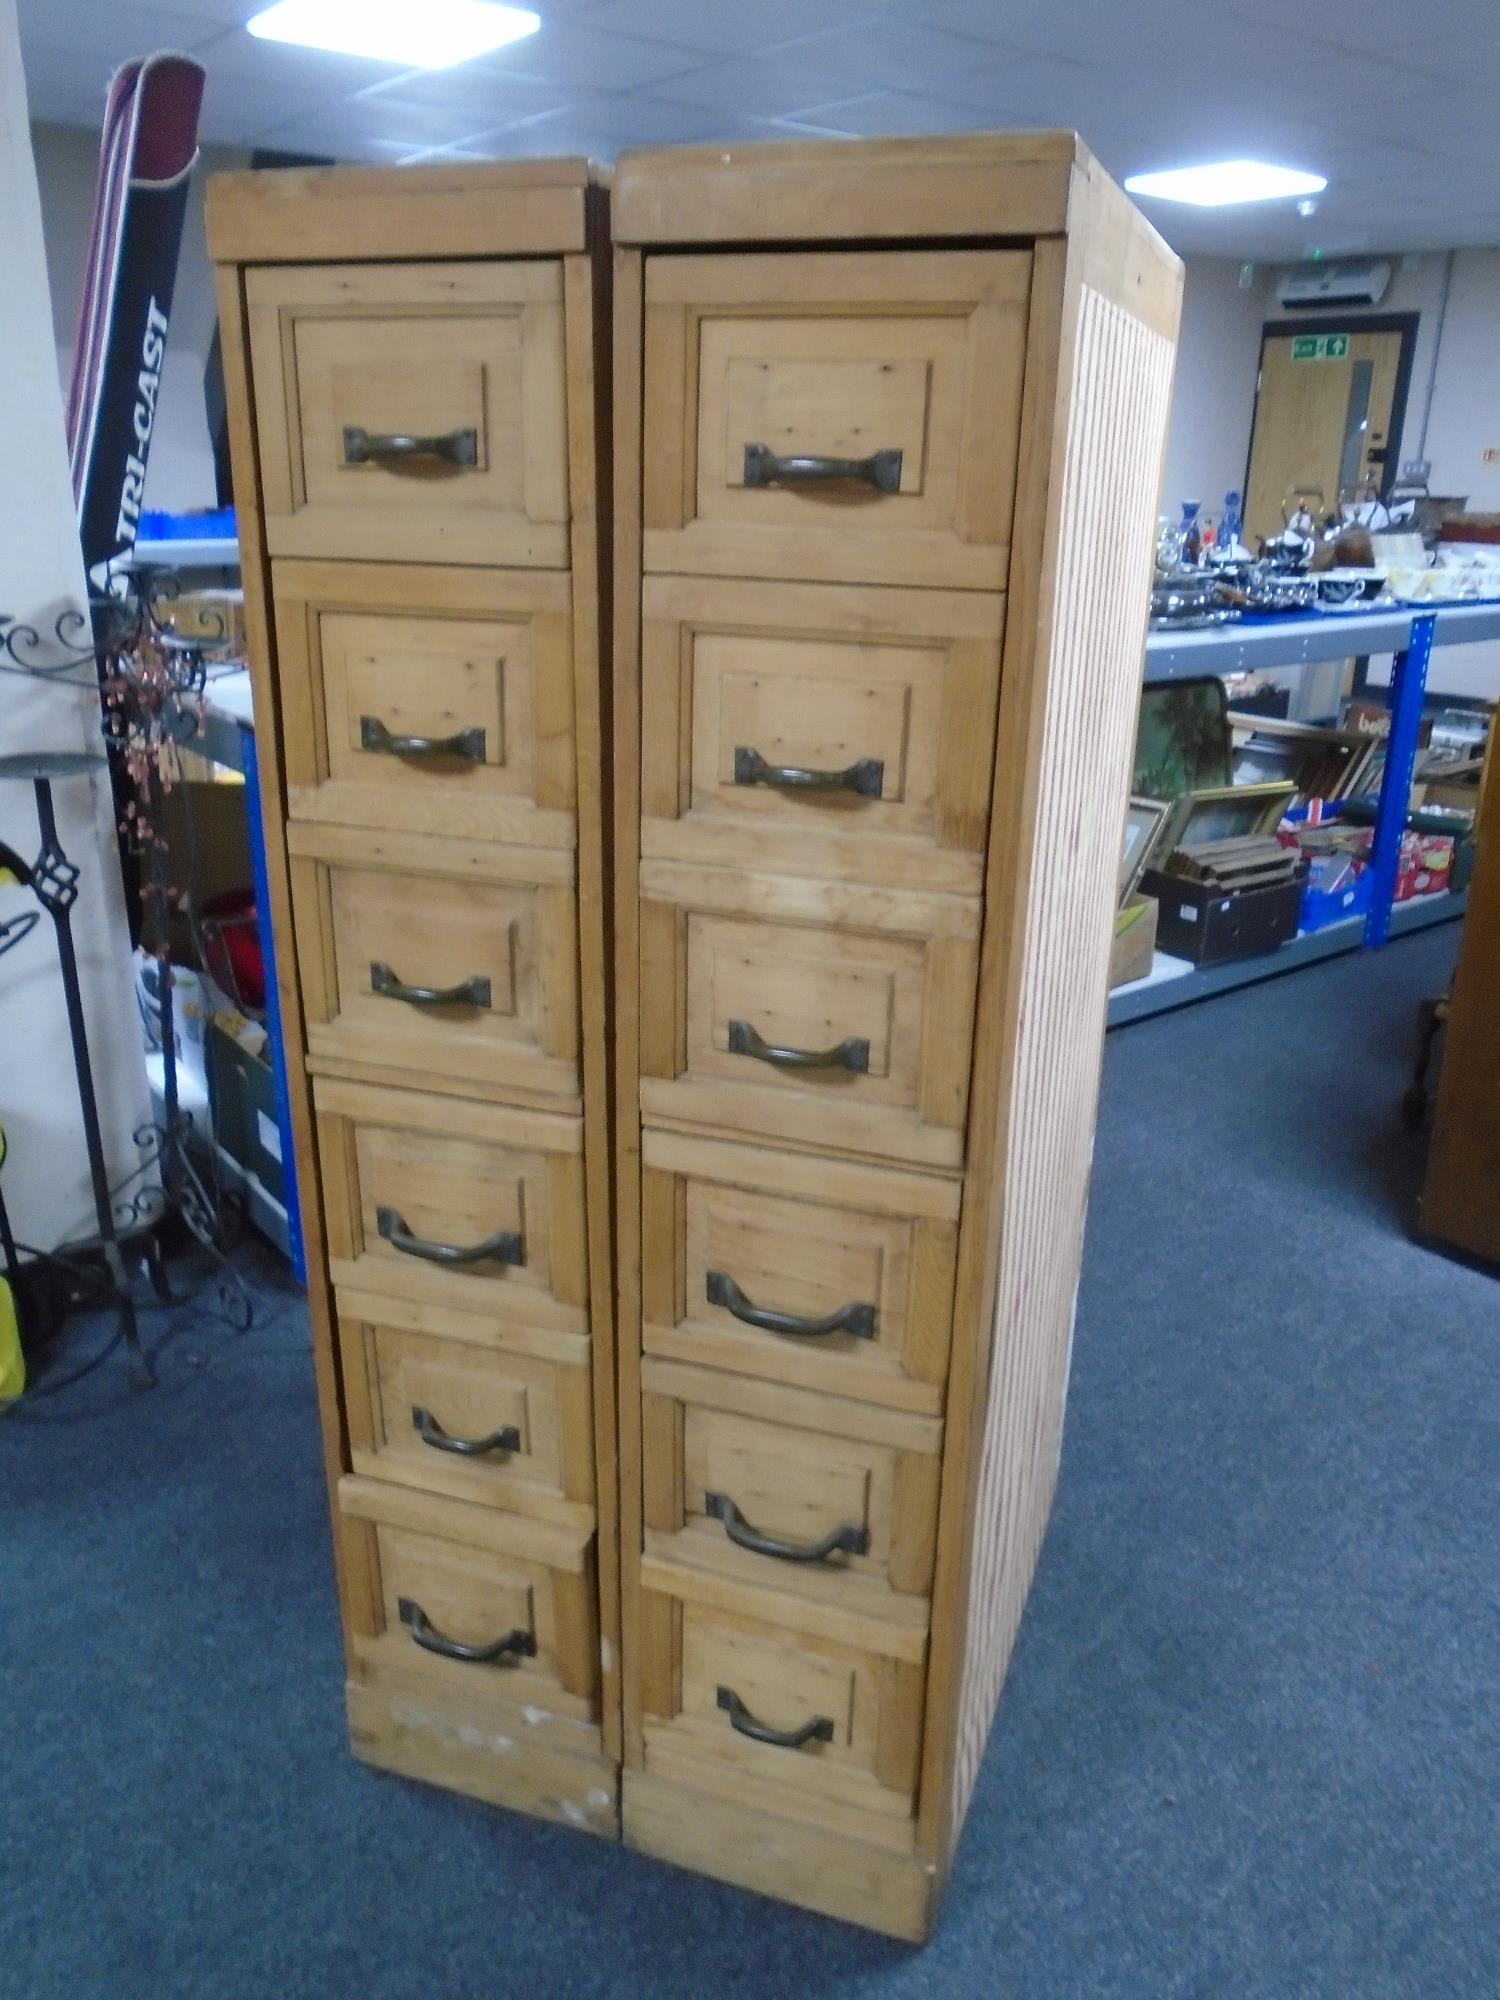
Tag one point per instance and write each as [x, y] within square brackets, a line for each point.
[12, 1362]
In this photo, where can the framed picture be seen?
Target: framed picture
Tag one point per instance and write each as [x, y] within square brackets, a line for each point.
[1322, 763]
[1223, 812]
[1182, 740]
[1143, 821]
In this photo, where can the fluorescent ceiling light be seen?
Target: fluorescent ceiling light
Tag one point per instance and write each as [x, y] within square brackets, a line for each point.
[1226, 181]
[417, 34]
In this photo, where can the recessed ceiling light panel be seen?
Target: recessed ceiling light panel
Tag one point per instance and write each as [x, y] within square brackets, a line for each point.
[1225, 182]
[416, 34]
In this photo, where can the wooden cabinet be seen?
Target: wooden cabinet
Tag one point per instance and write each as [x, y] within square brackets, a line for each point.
[419, 475]
[888, 430]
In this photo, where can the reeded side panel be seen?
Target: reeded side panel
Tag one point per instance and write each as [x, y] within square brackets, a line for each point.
[1122, 375]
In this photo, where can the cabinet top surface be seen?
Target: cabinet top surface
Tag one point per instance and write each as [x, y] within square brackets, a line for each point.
[478, 208]
[978, 183]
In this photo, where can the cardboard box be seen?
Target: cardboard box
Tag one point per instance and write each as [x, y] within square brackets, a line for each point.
[1134, 947]
[1206, 927]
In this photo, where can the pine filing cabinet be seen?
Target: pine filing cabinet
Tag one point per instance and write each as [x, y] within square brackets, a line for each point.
[889, 421]
[737, 1533]
[420, 468]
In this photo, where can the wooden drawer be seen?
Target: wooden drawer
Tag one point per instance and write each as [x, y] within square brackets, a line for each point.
[705, 1669]
[442, 1172]
[454, 958]
[378, 659]
[786, 1488]
[877, 985]
[443, 1575]
[820, 729]
[460, 1404]
[469, 355]
[908, 363]
[736, 1239]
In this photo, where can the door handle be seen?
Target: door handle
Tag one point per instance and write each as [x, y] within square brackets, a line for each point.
[858, 1320]
[426, 1634]
[430, 1431]
[818, 1730]
[848, 1540]
[468, 743]
[504, 1247]
[473, 992]
[882, 469]
[362, 447]
[852, 1053]
[864, 778]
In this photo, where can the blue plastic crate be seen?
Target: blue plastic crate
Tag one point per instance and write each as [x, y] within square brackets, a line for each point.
[1321, 907]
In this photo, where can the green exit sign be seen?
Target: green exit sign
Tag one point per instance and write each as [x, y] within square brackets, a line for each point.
[1320, 347]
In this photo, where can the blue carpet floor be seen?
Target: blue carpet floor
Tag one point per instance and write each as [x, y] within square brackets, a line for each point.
[1251, 1740]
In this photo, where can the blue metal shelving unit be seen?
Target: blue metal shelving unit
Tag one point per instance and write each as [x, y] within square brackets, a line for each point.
[1412, 635]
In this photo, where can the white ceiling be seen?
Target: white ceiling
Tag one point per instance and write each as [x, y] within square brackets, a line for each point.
[1394, 100]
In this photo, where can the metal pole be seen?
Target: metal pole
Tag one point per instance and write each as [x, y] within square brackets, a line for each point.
[1408, 689]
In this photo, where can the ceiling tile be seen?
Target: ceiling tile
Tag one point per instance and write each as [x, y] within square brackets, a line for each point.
[888, 113]
[487, 98]
[580, 57]
[731, 29]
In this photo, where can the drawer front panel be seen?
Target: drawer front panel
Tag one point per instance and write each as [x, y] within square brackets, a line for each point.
[794, 1491]
[466, 1415]
[417, 968]
[470, 1206]
[834, 416]
[475, 1599]
[851, 1034]
[851, 729]
[821, 1275]
[412, 411]
[850, 1719]
[438, 700]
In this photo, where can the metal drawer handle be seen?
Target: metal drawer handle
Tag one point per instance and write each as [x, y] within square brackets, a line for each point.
[430, 1431]
[852, 1053]
[864, 778]
[848, 1540]
[505, 1247]
[819, 1730]
[858, 1320]
[362, 447]
[473, 992]
[882, 469]
[468, 743]
[416, 1621]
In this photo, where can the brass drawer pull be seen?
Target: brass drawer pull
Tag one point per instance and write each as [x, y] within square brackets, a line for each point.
[864, 778]
[416, 1621]
[505, 1247]
[468, 743]
[473, 992]
[848, 1540]
[882, 469]
[858, 1320]
[852, 1053]
[430, 1431]
[362, 447]
[818, 1730]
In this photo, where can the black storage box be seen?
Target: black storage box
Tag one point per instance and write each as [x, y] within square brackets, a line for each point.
[1200, 923]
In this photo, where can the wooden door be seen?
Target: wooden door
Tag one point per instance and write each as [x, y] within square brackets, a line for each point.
[1323, 421]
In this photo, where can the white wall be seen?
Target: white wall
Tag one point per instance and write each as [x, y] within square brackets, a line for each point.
[1214, 398]
[180, 468]
[41, 574]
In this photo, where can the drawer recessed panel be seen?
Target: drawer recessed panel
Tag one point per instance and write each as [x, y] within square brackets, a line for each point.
[475, 1599]
[436, 700]
[851, 1034]
[832, 416]
[789, 1491]
[823, 730]
[412, 411]
[459, 1404]
[458, 964]
[831, 1277]
[468, 1205]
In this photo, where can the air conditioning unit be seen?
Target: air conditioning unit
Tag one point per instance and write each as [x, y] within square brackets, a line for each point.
[1311, 287]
